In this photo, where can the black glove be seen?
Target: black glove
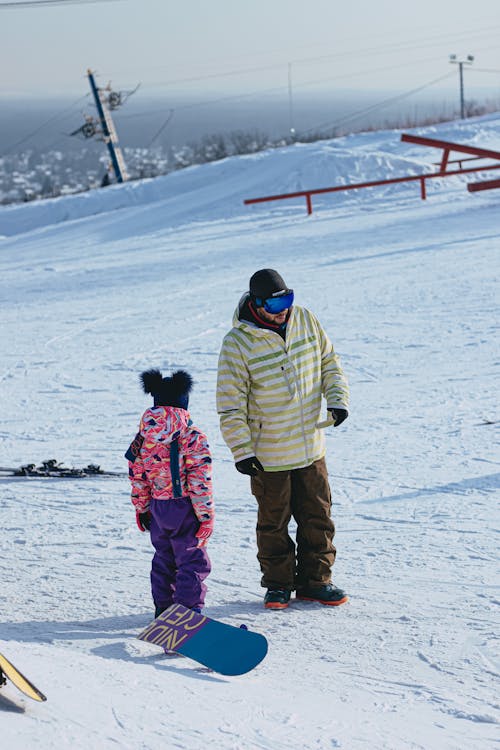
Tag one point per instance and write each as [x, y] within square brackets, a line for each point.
[249, 466]
[339, 415]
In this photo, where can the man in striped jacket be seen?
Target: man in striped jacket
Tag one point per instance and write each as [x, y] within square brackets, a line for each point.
[275, 365]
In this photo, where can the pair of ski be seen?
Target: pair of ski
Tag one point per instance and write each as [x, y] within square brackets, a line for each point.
[53, 469]
[222, 648]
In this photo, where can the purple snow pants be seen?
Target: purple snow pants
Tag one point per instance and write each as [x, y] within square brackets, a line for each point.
[179, 566]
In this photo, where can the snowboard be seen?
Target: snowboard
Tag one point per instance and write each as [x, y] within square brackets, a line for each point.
[220, 647]
[19, 680]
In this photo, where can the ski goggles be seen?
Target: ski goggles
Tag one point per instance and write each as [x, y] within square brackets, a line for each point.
[277, 303]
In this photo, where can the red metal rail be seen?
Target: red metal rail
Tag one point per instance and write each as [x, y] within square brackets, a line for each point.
[307, 194]
[474, 187]
[460, 161]
[447, 146]
[477, 153]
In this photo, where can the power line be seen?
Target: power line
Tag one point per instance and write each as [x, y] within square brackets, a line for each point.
[380, 49]
[275, 89]
[57, 116]
[379, 105]
[34, 3]
[160, 131]
[302, 85]
[405, 46]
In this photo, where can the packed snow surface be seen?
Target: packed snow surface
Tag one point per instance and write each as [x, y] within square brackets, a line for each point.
[96, 288]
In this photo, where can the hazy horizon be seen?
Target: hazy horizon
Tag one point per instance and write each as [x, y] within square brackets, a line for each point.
[44, 124]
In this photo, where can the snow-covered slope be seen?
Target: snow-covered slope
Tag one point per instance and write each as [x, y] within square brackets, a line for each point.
[217, 190]
[408, 292]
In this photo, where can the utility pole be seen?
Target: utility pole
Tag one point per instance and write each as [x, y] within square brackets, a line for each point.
[468, 61]
[290, 102]
[108, 130]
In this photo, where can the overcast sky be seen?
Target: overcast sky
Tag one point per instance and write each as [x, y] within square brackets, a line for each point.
[230, 46]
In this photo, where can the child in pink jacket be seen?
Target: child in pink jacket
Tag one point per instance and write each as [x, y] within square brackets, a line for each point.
[170, 469]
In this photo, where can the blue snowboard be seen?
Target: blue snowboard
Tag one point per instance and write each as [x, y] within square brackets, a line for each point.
[223, 648]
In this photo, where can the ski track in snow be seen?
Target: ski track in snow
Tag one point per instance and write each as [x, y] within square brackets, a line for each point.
[408, 293]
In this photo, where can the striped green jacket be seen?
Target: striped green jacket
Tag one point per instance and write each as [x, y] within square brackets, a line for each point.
[269, 391]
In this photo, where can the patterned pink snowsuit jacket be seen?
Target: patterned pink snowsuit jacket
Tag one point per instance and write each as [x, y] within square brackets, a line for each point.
[150, 472]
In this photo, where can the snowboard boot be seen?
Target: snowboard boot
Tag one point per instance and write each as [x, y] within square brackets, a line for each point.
[277, 598]
[326, 594]
[161, 609]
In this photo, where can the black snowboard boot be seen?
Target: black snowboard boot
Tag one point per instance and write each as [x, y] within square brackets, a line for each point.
[326, 594]
[159, 609]
[276, 599]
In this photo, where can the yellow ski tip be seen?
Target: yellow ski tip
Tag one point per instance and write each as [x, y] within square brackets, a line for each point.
[20, 681]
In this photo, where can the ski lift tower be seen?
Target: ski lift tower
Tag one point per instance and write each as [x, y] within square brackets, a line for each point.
[109, 132]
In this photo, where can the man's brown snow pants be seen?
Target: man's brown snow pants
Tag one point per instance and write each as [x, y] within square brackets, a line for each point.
[303, 494]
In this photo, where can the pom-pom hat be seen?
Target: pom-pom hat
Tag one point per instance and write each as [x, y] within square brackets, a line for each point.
[169, 391]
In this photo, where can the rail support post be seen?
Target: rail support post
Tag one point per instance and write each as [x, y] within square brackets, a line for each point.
[444, 160]
[423, 193]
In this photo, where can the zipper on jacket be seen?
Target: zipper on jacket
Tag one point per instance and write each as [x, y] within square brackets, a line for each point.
[289, 386]
[302, 424]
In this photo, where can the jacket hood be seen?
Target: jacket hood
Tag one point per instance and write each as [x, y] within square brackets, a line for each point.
[163, 424]
[241, 304]
[249, 324]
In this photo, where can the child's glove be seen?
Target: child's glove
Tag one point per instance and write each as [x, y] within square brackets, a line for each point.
[205, 532]
[143, 520]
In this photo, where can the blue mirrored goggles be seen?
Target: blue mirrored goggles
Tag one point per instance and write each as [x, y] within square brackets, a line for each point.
[276, 304]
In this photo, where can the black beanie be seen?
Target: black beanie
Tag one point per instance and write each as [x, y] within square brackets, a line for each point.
[266, 282]
[173, 391]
